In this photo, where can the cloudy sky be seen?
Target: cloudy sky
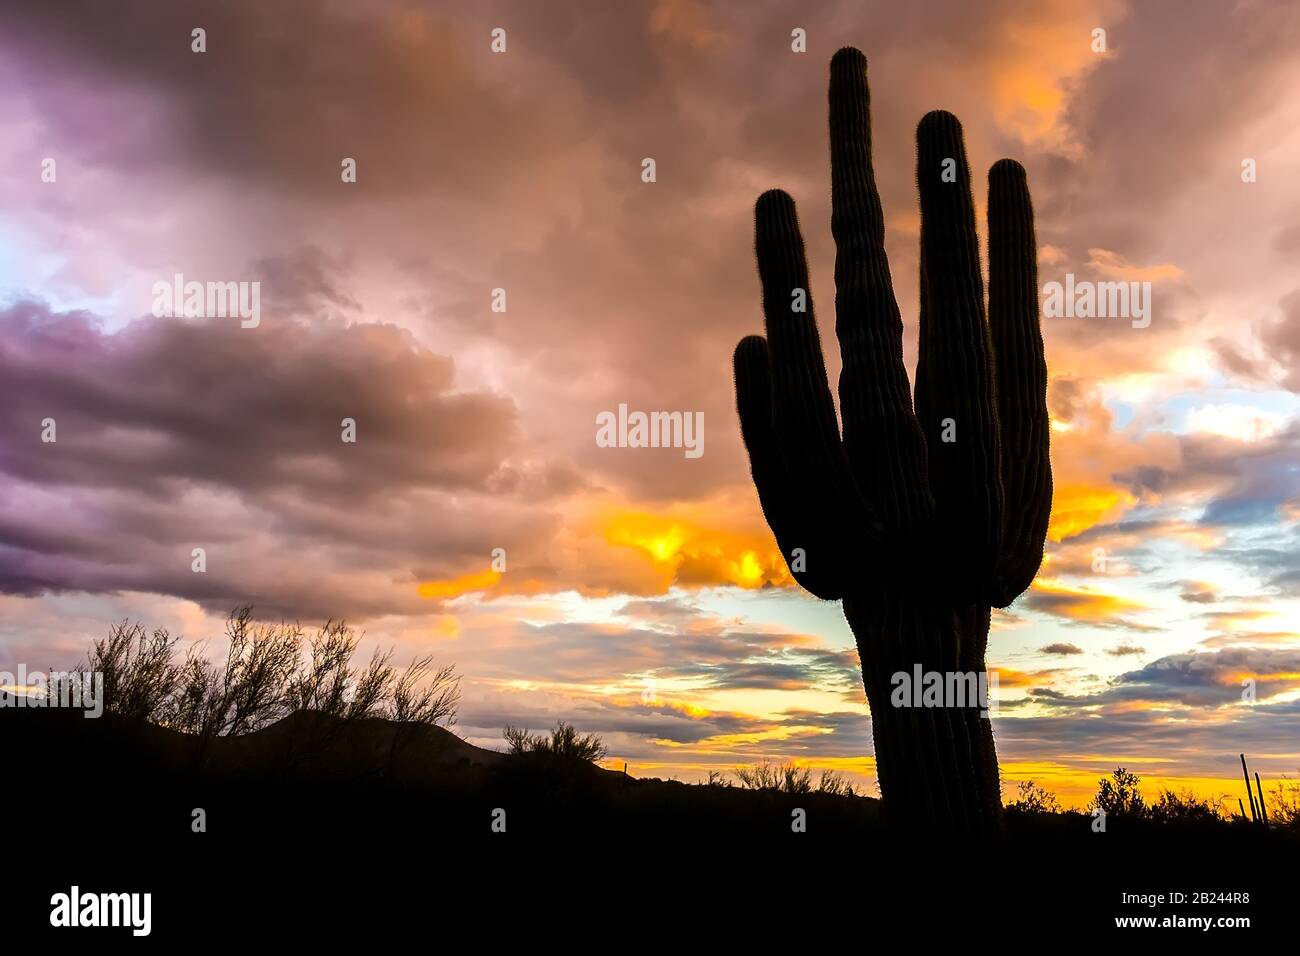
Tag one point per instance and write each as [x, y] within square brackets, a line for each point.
[644, 598]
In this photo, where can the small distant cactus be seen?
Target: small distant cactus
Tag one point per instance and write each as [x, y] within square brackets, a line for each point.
[1258, 812]
[918, 521]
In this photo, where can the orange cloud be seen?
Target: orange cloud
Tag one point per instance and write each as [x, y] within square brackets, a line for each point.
[446, 625]
[697, 554]
[475, 581]
[687, 21]
[1010, 677]
[1238, 618]
[1114, 266]
[1081, 603]
[1248, 638]
[1274, 677]
[724, 742]
[1078, 507]
[1035, 66]
[615, 546]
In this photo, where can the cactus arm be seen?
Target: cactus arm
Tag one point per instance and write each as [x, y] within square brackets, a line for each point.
[954, 371]
[803, 411]
[881, 435]
[1021, 380]
[821, 497]
[783, 506]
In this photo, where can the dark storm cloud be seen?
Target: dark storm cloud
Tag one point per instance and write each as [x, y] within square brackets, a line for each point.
[250, 409]
[287, 89]
[179, 433]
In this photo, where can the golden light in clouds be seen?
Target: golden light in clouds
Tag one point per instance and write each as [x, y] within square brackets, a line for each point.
[641, 552]
[1032, 69]
[1076, 508]
[698, 554]
[725, 742]
[475, 581]
[1011, 677]
[1278, 676]
[446, 625]
[1113, 266]
[1084, 603]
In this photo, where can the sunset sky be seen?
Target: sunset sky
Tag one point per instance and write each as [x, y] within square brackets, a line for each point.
[644, 597]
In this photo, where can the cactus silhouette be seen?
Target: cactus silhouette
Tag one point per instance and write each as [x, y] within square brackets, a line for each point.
[919, 521]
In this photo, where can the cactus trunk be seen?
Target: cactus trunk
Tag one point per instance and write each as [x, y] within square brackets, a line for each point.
[935, 765]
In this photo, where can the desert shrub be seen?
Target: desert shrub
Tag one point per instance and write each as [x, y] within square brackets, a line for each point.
[322, 684]
[1033, 798]
[567, 742]
[253, 688]
[763, 776]
[835, 784]
[796, 779]
[139, 676]
[786, 778]
[263, 678]
[1282, 803]
[519, 741]
[1184, 807]
[1119, 795]
[426, 694]
[564, 742]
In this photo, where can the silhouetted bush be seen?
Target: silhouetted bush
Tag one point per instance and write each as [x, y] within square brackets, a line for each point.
[1184, 807]
[835, 784]
[786, 778]
[564, 742]
[139, 676]
[1033, 798]
[1119, 796]
[789, 778]
[263, 679]
[1284, 803]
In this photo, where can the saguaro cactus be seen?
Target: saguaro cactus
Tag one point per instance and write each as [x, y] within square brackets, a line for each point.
[918, 521]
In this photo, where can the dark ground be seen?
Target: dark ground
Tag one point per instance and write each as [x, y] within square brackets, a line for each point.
[316, 831]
